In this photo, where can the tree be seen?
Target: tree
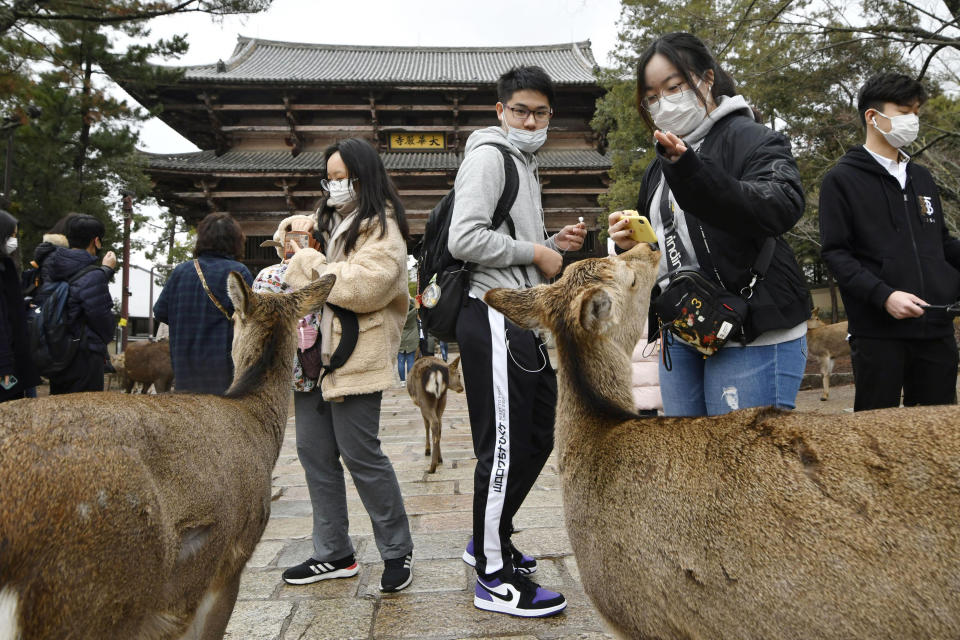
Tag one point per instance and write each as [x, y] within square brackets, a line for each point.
[81, 152]
[797, 63]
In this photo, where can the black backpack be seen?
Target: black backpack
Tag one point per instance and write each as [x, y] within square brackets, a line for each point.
[436, 266]
[51, 343]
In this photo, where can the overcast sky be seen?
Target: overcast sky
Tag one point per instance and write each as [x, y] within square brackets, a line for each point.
[425, 23]
[434, 23]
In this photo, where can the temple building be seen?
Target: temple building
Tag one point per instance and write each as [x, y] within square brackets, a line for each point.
[263, 117]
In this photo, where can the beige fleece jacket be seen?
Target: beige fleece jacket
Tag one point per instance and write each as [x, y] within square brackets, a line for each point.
[371, 281]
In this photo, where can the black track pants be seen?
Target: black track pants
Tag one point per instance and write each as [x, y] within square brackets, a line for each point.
[511, 395]
[925, 370]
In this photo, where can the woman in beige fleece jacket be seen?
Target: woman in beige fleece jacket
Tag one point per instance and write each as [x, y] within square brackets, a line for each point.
[360, 236]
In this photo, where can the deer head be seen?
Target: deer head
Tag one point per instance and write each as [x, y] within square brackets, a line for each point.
[263, 326]
[456, 381]
[598, 298]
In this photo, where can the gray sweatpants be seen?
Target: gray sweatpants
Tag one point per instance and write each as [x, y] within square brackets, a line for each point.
[348, 430]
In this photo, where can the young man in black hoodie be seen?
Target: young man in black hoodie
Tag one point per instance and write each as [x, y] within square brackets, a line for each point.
[883, 237]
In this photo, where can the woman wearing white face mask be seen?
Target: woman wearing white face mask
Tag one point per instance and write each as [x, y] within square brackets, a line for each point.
[362, 233]
[721, 185]
[17, 373]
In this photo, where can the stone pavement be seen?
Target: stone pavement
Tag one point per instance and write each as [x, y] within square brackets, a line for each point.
[439, 603]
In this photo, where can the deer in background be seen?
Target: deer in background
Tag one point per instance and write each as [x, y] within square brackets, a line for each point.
[427, 383]
[755, 524]
[132, 516]
[149, 363]
[826, 342]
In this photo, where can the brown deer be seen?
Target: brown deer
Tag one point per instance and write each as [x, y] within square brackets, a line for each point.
[132, 516]
[149, 363]
[755, 524]
[825, 342]
[427, 383]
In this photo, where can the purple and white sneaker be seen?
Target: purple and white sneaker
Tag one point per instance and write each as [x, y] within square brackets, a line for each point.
[522, 563]
[517, 596]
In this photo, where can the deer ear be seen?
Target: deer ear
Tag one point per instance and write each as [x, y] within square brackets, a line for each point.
[241, 295]
[521, 306]
[312, 297]
[455, 364]
[595, 309]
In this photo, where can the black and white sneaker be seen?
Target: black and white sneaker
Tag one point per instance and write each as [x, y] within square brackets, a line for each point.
[397, 573]
[314, 570]
[518, 596]
[522, 563]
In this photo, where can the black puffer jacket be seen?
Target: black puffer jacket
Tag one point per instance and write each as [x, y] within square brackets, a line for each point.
[14, 347]
[89, 304]
[741, 187]
[878, 238]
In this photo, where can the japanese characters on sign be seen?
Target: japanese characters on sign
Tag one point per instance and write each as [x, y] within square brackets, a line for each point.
[418, 141]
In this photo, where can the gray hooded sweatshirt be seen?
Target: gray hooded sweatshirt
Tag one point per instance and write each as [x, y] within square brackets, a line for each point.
[479, 184]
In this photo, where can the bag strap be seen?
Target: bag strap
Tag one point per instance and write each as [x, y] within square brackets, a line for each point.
[760, 264]
[349, 333]
[213, 298]
[511, 187]
[87, 269]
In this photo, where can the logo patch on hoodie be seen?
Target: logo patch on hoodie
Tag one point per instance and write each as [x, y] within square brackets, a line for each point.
[927, 212]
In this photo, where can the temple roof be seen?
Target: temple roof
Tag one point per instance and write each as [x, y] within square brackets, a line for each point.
[270, 61]
[312, 161]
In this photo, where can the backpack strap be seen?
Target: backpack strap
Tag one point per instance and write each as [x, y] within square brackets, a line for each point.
[87, 269]
[213, 298]
[508, 197]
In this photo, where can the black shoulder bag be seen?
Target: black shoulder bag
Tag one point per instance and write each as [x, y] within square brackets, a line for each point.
[697, 309]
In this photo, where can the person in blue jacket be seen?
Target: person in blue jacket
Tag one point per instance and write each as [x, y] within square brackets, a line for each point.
[89, 305]
[201, 333]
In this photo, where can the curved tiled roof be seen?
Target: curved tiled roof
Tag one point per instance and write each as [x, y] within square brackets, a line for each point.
[312, 161]
[268, 61]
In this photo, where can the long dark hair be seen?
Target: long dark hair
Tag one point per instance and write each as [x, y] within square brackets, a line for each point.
[373, 186]
[221, 234]
[8, 224]
[691, 57]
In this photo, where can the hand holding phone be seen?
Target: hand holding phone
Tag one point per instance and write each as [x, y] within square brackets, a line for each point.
[640, 229]
[299, 238]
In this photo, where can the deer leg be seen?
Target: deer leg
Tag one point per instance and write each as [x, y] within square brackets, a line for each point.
[826, 368]
[216, 614]
[435, 458]
[426, 426]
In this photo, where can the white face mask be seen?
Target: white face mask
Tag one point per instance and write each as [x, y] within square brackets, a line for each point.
[11, 245]
[903, 129]
[680, 117]
[528, 141]
[341, 192]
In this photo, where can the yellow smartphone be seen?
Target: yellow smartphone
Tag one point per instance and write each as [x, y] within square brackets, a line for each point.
[640, 229]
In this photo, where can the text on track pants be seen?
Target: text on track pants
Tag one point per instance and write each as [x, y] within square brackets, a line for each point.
[511, 393]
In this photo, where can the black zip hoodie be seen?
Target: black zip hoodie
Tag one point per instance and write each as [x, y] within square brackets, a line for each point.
[878, 238]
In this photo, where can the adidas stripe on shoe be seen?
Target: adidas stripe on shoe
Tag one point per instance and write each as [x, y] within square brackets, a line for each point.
[397, 573]
[522, 563]
[314, 570]
[518, 596]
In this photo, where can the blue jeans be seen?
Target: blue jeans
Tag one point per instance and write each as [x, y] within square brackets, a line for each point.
[443, 350]
[405, 363]
[733, 378]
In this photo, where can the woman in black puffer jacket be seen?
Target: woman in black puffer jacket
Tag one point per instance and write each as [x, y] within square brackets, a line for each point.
[17, 373]
[729, 184]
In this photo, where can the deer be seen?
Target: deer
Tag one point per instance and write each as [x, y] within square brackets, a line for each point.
[427, 383]
[149, 363]
[132, 516]
[825, 342]
[760, 523]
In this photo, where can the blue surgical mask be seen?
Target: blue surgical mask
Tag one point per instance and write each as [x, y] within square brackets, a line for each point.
[527, 141]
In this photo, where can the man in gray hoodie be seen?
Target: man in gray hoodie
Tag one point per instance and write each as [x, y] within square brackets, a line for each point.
[510, 385]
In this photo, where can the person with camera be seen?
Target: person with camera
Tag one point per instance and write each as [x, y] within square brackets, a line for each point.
[720, 193]
[360, 236]
[89, 307]
[885, 240]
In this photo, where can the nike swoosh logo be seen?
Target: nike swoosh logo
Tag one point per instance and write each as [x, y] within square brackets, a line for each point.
[512, 598]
